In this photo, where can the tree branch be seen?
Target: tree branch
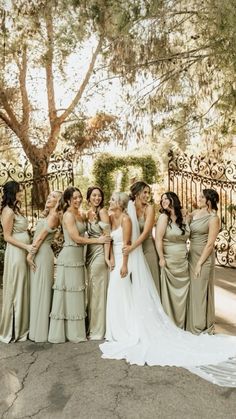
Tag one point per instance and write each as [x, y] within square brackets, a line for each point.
[10, 118]
[49, 68]
[199, 117]
[83, 85]
[24, 94]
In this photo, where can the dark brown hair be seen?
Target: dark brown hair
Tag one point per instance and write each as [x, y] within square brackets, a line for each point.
[10, 190]
[89, 193]
[176, 205]
[212, 196]
[66, 197]
[138, 187]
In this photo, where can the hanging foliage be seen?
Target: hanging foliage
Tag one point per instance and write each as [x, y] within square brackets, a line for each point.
[106, 165]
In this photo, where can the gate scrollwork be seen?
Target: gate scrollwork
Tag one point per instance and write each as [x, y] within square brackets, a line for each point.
[188, 175]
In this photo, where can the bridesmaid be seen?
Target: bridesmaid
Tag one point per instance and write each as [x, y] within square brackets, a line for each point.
[171, 237]
[15, 310]
[204, 228]
[68, 307]
[42, 273]
[97, 262]
[140, 193]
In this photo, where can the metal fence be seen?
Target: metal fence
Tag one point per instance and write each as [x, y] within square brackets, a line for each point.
[188, 175]
[60, 175]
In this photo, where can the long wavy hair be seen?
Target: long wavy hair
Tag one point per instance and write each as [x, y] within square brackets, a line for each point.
[64, 202]
[176, 205]
[88, 195]
[10, 190]
[138, 187]
[211, 196]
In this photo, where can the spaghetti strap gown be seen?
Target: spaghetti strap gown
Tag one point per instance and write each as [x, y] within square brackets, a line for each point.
[175, 279]
[201, 307]
[67, 318]
[97, 272]
[151, 255]
[119, 302]
[15, 310]
[41, 282]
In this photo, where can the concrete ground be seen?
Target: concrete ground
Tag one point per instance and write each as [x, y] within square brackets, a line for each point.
[67, 381]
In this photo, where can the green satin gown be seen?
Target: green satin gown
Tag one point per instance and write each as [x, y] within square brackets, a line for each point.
[201, 307]
[41, 282]
[151, 255]
[15, 310]
[175, 279]
[67, 317]
[97, 282]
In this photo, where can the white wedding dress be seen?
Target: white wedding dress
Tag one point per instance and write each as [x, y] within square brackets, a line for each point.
[149, 336]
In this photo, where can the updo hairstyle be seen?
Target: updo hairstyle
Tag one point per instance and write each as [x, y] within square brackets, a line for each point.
[137, 187]
[211, 196]
[122, 199]
[66, 198]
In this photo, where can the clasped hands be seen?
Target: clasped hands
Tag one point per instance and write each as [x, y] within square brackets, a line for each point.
[126, 249]
[103, 239]
[32, 250]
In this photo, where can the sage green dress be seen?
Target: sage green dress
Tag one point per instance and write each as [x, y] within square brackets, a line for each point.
[201, 306]
[15, 309]
[97, 282]
[41, 282]
[151, 256]
[175, 279]
[67, 317]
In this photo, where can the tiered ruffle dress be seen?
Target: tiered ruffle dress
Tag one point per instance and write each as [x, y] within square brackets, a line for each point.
[67, 317]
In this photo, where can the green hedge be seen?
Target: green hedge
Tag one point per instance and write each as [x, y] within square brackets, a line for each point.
[107, 164]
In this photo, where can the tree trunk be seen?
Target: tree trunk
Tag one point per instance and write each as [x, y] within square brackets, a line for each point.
[40, 188]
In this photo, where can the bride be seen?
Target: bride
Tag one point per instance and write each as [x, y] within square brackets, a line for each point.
[149, 336]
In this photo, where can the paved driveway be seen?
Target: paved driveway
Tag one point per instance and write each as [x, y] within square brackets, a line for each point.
[68, 380]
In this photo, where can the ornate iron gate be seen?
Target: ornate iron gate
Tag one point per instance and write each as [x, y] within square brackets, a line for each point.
[188, 175]
[60, 175]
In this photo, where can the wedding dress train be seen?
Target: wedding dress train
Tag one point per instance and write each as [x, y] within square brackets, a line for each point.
[153, 338]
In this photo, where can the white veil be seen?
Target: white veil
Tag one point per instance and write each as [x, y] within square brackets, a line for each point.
[156, 340]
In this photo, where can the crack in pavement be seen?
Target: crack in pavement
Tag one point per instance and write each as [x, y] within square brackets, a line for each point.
[36, 413]
[51, 364]
[16, 395]
[13, 356]
[117, 400]
[124, 389]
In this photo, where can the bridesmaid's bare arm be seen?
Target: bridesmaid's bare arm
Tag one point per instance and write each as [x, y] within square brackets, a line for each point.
[53, 221]
[159, 235]
[7, 225]
[148, 226]
[104, 217]
[214, 228]
[126, 229]
[70, 224]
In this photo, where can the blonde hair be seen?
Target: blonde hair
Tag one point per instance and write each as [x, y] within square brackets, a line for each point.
[45, 212]
[122, 198]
